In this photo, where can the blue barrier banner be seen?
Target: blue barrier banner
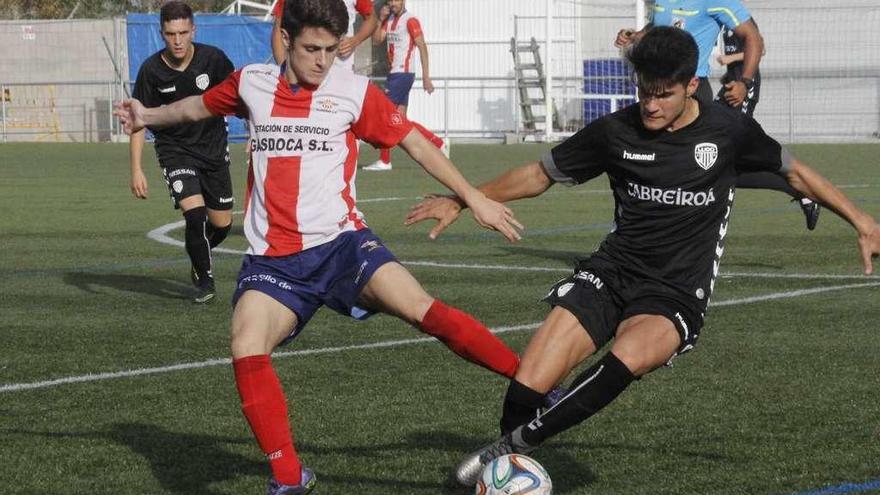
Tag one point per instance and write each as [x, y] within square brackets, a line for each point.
[245, 40]
[609, 77]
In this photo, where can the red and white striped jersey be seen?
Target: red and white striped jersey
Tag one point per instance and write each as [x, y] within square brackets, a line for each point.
[401, 32]
[355, 7]
[303, 155]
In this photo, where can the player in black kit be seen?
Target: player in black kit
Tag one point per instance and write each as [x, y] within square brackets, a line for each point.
[732, 58]
[672, 163]
[194, 157]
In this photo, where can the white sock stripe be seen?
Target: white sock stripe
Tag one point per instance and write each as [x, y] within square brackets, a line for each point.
[574, 390]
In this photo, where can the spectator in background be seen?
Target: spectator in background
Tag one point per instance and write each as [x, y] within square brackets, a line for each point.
[403, 33]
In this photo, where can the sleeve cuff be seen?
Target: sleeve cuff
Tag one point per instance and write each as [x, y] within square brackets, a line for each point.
[554, 173]
[785, 158]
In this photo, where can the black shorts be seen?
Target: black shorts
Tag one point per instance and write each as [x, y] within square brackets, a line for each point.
[187, 177]
[601, 295]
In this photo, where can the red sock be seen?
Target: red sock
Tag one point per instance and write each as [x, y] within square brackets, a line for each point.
[469, 338]
[430, 136]
[265, 408]
[385, 155]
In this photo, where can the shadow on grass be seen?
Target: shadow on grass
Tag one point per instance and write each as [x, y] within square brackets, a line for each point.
[182, 463]
[159, 287]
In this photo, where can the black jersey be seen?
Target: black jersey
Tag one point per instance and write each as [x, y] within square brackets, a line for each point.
[673, 190]
[731, 44]
[158, 84]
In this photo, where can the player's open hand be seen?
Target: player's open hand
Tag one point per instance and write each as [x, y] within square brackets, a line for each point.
[869, 246]
[495, 216]
[735, 94]
[138, 184]
[438, 207]
[130, 114]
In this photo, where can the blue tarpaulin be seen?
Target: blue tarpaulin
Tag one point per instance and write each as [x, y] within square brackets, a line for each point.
[606, 77]
[245, 41]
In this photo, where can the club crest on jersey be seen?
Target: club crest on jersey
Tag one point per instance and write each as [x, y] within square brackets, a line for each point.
[706, 154]
[202, 81]
[327, 105]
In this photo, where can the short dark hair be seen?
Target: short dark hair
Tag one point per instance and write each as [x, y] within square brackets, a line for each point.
[174, 10]
[664, 56]
[331, 15]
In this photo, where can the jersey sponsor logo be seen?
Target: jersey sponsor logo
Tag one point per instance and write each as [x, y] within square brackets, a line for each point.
[202, 81]
[706, 154]
[591, 278]
[641, 157]
[289, 144]
[675, 197]
[169, 89]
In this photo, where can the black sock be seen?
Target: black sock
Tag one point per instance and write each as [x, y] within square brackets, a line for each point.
[197, 246]
[521, 405]
[216, 235]
[593, 389]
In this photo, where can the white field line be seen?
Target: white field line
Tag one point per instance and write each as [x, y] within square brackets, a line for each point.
[16, 387]
[160, 235]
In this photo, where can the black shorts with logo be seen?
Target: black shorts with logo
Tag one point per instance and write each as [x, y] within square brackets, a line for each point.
[187, 177]
[601, 295]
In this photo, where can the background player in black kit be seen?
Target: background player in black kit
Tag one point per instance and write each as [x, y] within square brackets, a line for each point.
[672, 163]
[733, 49]
[194, 157]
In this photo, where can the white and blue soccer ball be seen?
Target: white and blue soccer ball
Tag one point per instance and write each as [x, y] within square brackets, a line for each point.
[514, 474]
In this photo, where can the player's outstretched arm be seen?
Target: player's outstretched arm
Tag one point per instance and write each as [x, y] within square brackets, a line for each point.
[526, 181]
[134, 116]
[488, 213]
[138, 182]
[813, 185]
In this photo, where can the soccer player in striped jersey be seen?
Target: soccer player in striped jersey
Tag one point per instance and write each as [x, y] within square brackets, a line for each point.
[403, 32]
[672, 162]
[308, 244]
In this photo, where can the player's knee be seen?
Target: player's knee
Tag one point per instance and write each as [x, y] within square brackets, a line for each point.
[195, 219]
[415, 312]
[246, 340]
[219, 234]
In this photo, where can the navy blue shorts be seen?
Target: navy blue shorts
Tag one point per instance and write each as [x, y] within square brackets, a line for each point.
[332, 274]
[397, 87]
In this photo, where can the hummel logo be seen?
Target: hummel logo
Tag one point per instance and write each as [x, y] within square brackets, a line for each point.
[168, 90]
[642, 157]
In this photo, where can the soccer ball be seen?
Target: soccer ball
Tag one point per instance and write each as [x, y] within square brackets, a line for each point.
[514, 474]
